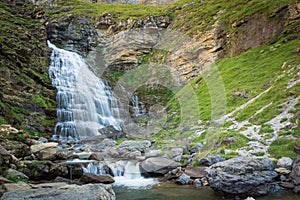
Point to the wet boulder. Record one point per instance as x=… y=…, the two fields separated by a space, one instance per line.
x=241 y=176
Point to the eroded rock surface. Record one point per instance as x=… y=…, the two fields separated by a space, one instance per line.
x=242 y=176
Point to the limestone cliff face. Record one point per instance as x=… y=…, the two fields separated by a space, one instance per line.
x=27 y=99
x=232 y=39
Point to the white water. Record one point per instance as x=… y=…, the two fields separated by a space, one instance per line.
x=132 y=177
x=138 y=108
x=126 y=174
x=85 y=103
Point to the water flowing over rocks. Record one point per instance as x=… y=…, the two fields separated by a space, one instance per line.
x=242 y=176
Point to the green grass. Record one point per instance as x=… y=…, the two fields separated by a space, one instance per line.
x=202 y=14
x=283 y=148
x=119 y=11
x=16 y=179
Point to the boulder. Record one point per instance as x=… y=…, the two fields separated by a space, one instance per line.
x=15 y=173
x=153 y=153
x=195 y=172
x=75 y=192
x=38 y=147
x=241 y=176
x=295 y=174
x=285 y=162
x=135 y=145
x=16 y=186
x=210 y=160
x=158 y=165
x=93 y=178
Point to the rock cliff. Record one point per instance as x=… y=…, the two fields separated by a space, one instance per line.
x=27 y=97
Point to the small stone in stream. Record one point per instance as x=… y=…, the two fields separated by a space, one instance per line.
x=183 y=179
x=204 y=181
x=288 y=185
x=197 y=183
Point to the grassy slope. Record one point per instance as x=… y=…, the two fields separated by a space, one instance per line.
x=256 y=71
x=121 y=11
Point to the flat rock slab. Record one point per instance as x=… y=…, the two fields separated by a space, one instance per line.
x=74 y=192
x=158 y=165
x=195 y=172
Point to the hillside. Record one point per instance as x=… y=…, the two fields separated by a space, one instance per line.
x=257 y=60
x=202 y=93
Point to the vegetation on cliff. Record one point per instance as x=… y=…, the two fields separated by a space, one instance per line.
x=27 y=97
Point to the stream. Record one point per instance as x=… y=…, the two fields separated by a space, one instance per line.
x=171 y=191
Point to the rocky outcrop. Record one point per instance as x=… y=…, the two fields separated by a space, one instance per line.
x=74 y=33
x=242 y=176
x=63 y=191
x=26 y=94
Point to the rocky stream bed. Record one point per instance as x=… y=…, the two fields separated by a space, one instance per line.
x=36 y=168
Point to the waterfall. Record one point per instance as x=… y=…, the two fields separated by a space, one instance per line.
x=85 y=103
x=136 y=107
x=126 y=173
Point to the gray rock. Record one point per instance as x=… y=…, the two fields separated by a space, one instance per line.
x=183 y=179
x=153 y=153
x=75 y=33
x=74 y=192
x=297 y=189
x=16 y=186
x=135 y=145
x=93 y=178
x=285 y=162
x=15 y=173
x=195 y=172
x=42 y=146
x=198 y=183
x=176 y=151
x=210 y=160
x=295 y=174
x=242 y=176
x=158 y=165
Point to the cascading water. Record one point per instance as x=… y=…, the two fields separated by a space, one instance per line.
x=126 y=173
x=85 y=103
x=138 y=108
